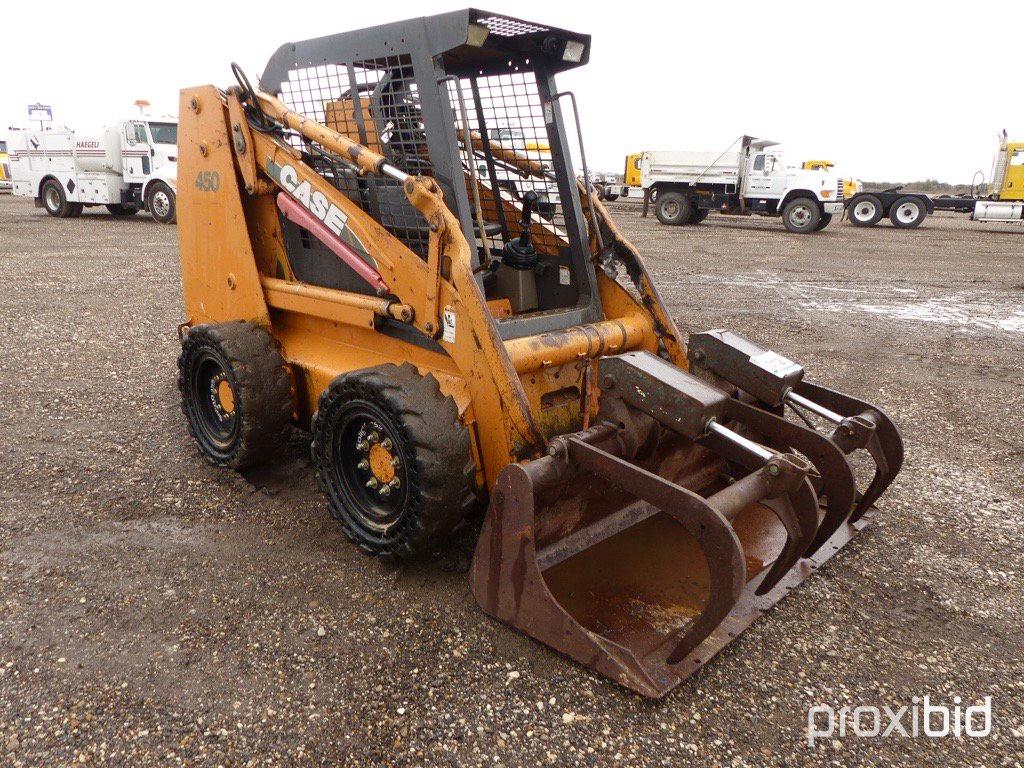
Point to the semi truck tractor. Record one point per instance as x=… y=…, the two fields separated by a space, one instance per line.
x=1004 y=203
x=685 y=186
x=130 y=166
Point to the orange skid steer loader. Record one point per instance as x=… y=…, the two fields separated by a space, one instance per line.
x=385 y=243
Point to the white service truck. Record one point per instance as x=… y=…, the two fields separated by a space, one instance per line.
x=130 y=166
x=685 y=186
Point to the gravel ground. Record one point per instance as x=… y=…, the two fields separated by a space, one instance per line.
x=157 y=611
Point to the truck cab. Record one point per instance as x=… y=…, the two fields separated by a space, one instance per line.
x=129 y=166
x=769 y=186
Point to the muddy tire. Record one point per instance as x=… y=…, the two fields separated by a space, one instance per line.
x=119 y=209
x=55 y=200
x=388 y=427
x=235 y=393
x=907 y=212
x=673 y=208
x=161 y=203
x=801 y=215
x=826 y=219
x=699 y=214
x=865 y=211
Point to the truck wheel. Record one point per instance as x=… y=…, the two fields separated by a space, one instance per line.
x=801 y=215
x=673 y=208
x=393 y=459
x=235 y=393
x=55 y=201
x=826 y=219
x=907 y=212
x=610 y=197
x=119 y=209
x=865 y=211
x=161 y=203
x=699 y=215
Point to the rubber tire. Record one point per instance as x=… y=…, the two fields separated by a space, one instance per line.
x=64 y=209
x=611 y=198
x=441 y=476
x=875 y=218
x=119 y=209
x=685 y=208
x=260 y=383
x=812 y=222
x=172 y=214
x=922 y=212
x=826 y=219
x=699 y=215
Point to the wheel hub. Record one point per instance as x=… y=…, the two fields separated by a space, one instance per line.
x=373 y=471
x=382 y=463
x=864 y=211
x=161 y=203
x=222 y=397
x=800 y=215
x=225 y=396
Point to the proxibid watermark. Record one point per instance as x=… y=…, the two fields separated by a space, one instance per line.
x=919 y=718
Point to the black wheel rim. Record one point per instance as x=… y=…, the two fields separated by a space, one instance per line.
x=370 y=465
x=215 y=402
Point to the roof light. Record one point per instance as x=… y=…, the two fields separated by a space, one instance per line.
x=573 y=51
x=477 y=35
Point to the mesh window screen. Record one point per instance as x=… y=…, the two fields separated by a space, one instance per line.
x=376 y=103
x=506 y=120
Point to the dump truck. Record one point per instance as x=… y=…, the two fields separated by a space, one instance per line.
x=131 y=165
x=906 y=210
x=349 y=270
x=685 y=186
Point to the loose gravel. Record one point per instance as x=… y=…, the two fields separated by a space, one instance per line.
x=157 y=611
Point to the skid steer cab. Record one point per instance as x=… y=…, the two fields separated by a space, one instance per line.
x=356 y=263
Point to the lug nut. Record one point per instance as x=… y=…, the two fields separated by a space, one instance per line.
x=396 y=462
x=385 y=490
x=372 y=483
x=364 y=465
x=773 y=470
x=373 y=437
x=395 y=483
x=362 y=446
x=386 y=443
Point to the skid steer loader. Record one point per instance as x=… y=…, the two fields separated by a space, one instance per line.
x=354 y=264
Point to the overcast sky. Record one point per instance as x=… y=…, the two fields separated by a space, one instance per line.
x=888 y=91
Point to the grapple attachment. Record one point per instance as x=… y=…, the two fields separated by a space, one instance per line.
x=773 y=383
x=642 y=545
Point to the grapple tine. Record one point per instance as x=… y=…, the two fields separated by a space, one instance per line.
x=714 y=533
x=838 y=485
x=790 y=497
x=885 y=445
